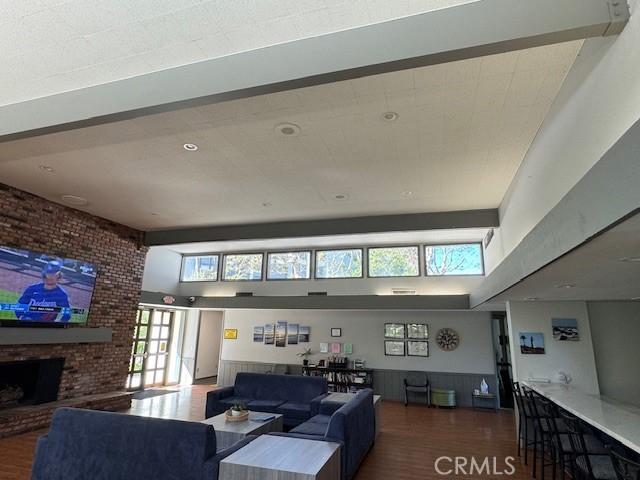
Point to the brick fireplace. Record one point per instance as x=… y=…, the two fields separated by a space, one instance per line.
x=93 y=374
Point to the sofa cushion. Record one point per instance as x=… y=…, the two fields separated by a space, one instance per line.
x=231 y=401
x=264 y=405
x=288 y=388
x=323 y=419
x=310 y=428
x=293 y=409
x=85 y=444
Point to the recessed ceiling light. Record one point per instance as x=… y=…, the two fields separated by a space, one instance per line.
x=635 y=298
x=407 y=193
x=630 y=259
x=288 y=129
x=74 y=200
x=390 y=116
x=531 y=299
x=341 y=196
x=190 y=147
x=46 y=168
x=267 y=204
x=566 y=285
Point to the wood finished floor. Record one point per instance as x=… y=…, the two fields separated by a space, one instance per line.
x=410 y=440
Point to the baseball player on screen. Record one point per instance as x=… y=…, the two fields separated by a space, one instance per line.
x=45 y=294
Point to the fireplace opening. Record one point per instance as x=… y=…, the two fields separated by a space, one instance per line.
x=30 y=382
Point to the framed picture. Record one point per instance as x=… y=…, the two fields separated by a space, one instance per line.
x=531 y=343
x=393 y=348
x=418 y=348
x=304 y=334
x=565 y=329
x=394 y=330
x=324 y=347
x=281 y=334
x=336 y=348
x=417 y=331
x=269 y=331
x=347 y=348
x=292 y=334
x=230 y=333
x=336 y=332
x=258 y=334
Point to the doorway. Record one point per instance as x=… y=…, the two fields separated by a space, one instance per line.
x=150 y=348
x=502 y=350
x=208 y=347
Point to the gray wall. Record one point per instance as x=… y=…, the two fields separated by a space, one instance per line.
x=615 y=330
x=365 y=330
x=388 y=383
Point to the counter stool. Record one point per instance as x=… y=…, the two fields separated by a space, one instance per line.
x=625 y=468
x=587 y=465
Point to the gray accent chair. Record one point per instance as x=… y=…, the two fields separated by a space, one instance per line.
x=418 y=383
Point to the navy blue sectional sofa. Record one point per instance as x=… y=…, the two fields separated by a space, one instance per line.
x=296 y=397
x=351 y=424
x=87 y=444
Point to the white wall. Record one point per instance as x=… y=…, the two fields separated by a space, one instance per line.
x=353 y=286
x=189 y=346
x=209 y=339
x=599 y=101
x=162 y=271
x=615 y=328
x=365 y=330
x=575 y=358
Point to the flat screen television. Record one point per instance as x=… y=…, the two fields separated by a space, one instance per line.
x=37 y=289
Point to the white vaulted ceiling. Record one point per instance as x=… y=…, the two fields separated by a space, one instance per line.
x=53 y=46
x=462 y=132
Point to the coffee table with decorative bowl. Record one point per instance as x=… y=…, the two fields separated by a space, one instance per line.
x=229 y=433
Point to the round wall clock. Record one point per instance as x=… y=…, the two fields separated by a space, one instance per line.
x=447 y=339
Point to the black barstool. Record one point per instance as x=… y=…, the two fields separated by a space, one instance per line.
x=588 y=465
x=541 y=433
x=524 y=419
x=626 y=469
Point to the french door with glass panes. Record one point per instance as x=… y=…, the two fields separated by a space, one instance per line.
x=150 y=349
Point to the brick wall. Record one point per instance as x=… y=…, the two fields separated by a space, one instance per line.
x=33 y=223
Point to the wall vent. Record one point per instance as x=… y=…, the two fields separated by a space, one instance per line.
x=403 y=291
x=244 y=294
x=317 y=294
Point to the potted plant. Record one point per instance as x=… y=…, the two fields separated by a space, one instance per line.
x=304 y=354
x=237 y=409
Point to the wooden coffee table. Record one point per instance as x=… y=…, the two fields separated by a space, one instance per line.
x=229 y=433
x=272 y=457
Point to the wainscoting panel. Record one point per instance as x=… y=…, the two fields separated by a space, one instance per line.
x=388 y=383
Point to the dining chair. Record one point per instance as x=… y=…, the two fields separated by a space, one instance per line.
x=625 y=467
x=417 y=382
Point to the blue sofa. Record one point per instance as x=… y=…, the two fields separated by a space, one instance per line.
x=83 y=444
x=351 y=424
x=296 y=397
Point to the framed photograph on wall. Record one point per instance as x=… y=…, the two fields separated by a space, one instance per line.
x=336 y=332
x=281 y=334
x=532 y=343
x=394 y=330
x=565 y=329
x=324 y=347
x=347 y=348
x=417 y=331
x=258 y=334
x=269 y=331
x=304 y=334
x=393 y=348
x=336 y=347
x=292 y=333
x=418 y=348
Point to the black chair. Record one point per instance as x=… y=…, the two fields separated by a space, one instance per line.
x=524 y=419
x=587 y=465
x=417 y=382
x=542 y=440
x=626 y=469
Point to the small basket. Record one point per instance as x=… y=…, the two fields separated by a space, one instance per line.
x=244 y=416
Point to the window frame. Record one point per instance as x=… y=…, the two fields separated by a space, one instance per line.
x=276 y=252
x=190 y=255
x=411 y=245
x=262 y=269
x=424 y=260
x=315 y=262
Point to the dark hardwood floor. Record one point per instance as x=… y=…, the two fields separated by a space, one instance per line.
x=411 y=439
